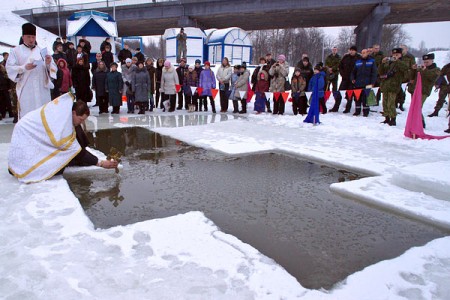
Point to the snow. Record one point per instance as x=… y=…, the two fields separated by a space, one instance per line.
x=50 y=249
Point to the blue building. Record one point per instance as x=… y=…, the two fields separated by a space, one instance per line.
x=234 y=43
x=95 y=26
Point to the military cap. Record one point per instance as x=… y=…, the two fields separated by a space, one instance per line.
x=428 y=56
x=397 y=50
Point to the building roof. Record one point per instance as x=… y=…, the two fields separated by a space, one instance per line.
x=232 y=35
x=190 y=32
x=91 y=23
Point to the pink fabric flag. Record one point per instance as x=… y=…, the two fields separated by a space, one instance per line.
x=414 y=125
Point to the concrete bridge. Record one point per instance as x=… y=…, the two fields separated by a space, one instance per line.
x=138 y=17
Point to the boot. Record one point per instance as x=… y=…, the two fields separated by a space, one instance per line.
x=244 y=107
x=423 y=123
x=16 y=119
x=392 y=122
x=268 y=107
x=235 y=107
x=387 y=120
x=434 y=114
x=205 y=104
x=357 y=111
x=400 y=106
x=448 y=130
x=213 y=106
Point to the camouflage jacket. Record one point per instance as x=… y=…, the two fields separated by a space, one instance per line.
x=409 y=60
x=429 y=76
x=378 y=58
x=332 y=61
x=392 y=74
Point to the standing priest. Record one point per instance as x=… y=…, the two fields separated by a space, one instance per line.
x=32 y=69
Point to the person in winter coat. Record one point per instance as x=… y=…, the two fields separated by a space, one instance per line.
x=319 y=79
x=5 y=100
x=106 y=42
x=107 y=56
x=158 y=74
x=151 y=73
x=234 y=79
x=139 y=55
x=94 y=65
x=63 y=79
x=83 y=55
x=82 y=81
x=306 y=69
x=141 y=87
x=241 y=85
x=181 y=70
x=169 y=79
x=299 y=101
x=266 y=67
x=124 y=54
x=59 y=53
x=127 y=73
x=261 y=87
x=279 y=71
x=345 y=69
x=392 y=72
x=86 y=45
x=409 y=60
x=114 y=88
x=332 y=67
x=207 y=82
x=364 y=76
x=429 y=73
x=99 y=86
x=71 y=55
x=223 y=76
x=190 y=80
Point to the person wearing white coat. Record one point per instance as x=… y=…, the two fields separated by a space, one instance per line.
x=169 y=80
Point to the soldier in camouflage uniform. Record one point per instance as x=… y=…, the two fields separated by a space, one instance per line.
x=409 y=60
x=392 y=72
x=444 y=89
x=429 y=73
x=332 y=69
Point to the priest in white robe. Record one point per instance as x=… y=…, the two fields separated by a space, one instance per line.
x=32 y=69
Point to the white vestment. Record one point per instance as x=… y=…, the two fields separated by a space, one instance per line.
x=33 y=86
x=44 y=141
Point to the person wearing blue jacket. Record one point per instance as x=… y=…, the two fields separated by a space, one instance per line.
x=319 y=78
x=364 y=76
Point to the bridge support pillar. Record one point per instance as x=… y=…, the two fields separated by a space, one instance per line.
x=368 y=32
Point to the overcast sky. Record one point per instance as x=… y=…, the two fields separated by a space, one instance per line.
x=433 y=34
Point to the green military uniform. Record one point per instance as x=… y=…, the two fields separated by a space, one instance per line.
x=378 y=56
x=392 y=74
x=409 y=60
x=332 y=61
x=444 y=89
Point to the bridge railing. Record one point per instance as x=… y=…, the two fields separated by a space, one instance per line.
x=86 y=6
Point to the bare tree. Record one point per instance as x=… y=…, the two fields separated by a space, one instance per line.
x=393 y=36
x=346 y=39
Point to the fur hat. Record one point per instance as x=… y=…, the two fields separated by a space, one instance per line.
x=167 y=64
x=428 y=56
x=28 y=29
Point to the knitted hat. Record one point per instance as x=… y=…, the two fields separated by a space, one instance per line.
x=167 y=64
x=281 y=57
x=207 y=63
x=198 y=61
x=128 y=60
x=191 y=67
x=28 y=29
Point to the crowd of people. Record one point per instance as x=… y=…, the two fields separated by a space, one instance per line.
x=147 y=86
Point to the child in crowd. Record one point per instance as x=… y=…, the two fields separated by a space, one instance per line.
x=261 y=87
x=190 y=80
x=299 y=101
x=234 y=78
x=319 y=78
x=63 y=81
x=207 y=82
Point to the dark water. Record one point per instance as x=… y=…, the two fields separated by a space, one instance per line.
x=280 y=205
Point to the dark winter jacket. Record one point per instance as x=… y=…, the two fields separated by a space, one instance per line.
x=181 y=71
x=140 y=56
x=114 y=87
x=190 y=79
x=346 y=68
x=59 y=55
x=409 y=61
x=307 y=72
x=108 y=58
x=198 y=70
x=152 y=73
x=71 y=55
x=81 y=82
x=5 y=83
x=141 y=85
x=364 y=73
x=123 y=55
x=99 y=81
x=104 y=44
x=159 y=68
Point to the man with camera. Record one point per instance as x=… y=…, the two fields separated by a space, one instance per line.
x=279 y=71
x=392 y=72
x=409 y=60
